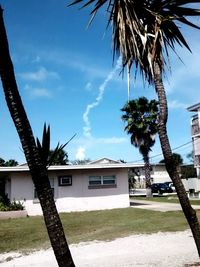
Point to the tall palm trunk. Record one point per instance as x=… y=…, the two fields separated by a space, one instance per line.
x=171 y=167
x=38 y=171
x=147 y=171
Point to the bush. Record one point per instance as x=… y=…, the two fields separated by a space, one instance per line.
x=5 y=200
x=6 y=205
x=3 y=207
x=16 y=205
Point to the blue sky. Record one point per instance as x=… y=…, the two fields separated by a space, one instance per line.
x=66 y=78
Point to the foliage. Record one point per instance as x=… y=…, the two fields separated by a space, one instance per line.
x=5 y=200
x=7 y=205
x=188 y=171
x=51 y=157
x=190 y=156
x=59 y=157
x=141 y=117
x=131 y=181
x=81 y=162
x=16 y=205
x=9 y=163
x=178 y=160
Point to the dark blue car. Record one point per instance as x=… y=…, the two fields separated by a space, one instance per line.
x=161 y=188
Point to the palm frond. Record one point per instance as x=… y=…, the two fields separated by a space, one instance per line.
x=57 y=150
x=143 y=31
x=44 y=147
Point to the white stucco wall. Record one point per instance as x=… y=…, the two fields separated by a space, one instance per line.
x=77 y=197
x=192 y=183
x=196 y=144
x=159 y=174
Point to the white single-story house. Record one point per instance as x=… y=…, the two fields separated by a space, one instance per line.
x=101 y=184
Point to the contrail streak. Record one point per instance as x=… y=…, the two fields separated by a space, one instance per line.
x=87 y=128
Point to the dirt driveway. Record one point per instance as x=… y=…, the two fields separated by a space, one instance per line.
x=157 y=206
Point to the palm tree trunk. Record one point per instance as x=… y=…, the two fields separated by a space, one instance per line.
x=37 y=170
x=147 y=171
x=171 y=167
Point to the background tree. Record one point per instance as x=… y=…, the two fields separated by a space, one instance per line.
x=9 y=163
x=2 y=162
x=141 y=118
x=38 y=169
x=188 y=171
x=131 y=180
x=177 y=159
x=143 y=33
x=81 y=162
x=190 y=156
x=61 y=158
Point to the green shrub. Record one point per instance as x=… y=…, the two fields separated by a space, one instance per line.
x=16 y=206
x=3 y=207
x=5 y=200
x=6 y=205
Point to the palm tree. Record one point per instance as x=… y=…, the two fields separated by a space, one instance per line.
x=177 y=159
x=141 y=118
x=38 y=170
x=143 y=32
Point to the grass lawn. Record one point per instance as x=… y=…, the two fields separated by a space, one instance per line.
x=169 y=199
x=30 y=233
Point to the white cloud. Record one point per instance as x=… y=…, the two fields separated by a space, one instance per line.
x=39 y=75
x=80 y=154
x=38 y=92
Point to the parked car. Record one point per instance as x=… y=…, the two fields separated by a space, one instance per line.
x=170 y=184
x=161 y=188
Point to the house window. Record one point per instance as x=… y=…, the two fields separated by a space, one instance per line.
x=95 y=180
x=65 y=180
x=51 y=180
x=108 y=181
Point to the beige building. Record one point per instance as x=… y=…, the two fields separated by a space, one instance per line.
x=194 y=183
x=99 y=185
x=195 y=132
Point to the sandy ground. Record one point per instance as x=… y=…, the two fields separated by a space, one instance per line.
x=160 y=249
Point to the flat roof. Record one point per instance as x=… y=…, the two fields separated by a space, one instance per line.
x=25 y=168
x=195 y=107
x=75 y=167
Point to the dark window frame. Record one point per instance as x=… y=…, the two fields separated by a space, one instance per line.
x=64 y=184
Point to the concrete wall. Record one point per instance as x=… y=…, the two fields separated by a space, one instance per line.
x=191 y=183
x=159 y=174
x=77 y=197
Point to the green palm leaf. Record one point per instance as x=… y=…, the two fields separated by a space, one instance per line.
x=44 y=149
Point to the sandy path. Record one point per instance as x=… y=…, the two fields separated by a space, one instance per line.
x=160 y=249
